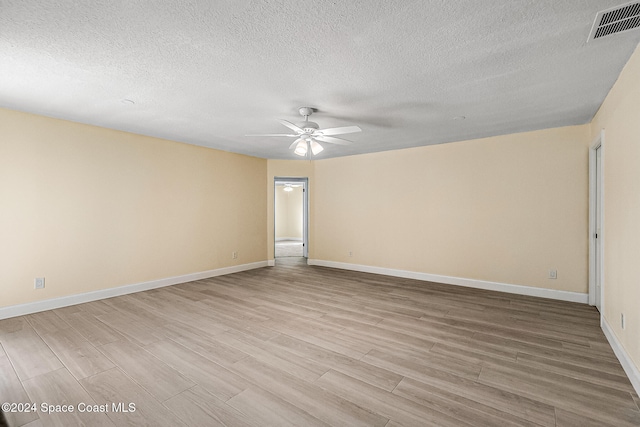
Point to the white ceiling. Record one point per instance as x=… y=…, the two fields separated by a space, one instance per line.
x=208 y=72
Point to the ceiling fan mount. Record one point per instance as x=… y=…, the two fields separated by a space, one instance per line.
x=306 y=111
x=309 y=134
x=307 y=126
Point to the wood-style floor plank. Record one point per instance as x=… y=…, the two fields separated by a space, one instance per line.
x=28 y=354
x=59 y=388
x=270 y=354
x=264 y=409
x=90 y=327
x=300 y=345
x=332 y=341
x=388 y=405
x=159 y=379
x=11 y=391
x=458 y=407
x=495 y=397
x=327 y=407
x=215 y=378
x=113 y=386
x=35 y=423
x=76 y=353
x=373 y=375
x=592 y=375
x=596 y=402
x=14 y=324
x=197 y=407
x=132 y=327
x=46 y=322
x=570 y=419
x=206 y=346
x=582 y=357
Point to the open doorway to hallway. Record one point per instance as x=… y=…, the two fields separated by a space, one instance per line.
x=290 y=217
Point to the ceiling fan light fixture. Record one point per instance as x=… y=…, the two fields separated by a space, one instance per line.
x=301 y=148
x=288 y=188
x=315 y=147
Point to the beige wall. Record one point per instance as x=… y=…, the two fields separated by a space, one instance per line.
x=619 y=116
x=288 y=213
x=503 y=209
x=287 y=169
x=90 y=208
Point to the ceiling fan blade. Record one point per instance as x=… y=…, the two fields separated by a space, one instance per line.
x=273 y=134
x=338 y=131
x=332 y=140
x=294 y=143
x=292 y=126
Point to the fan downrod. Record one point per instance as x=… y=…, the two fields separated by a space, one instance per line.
x=307 y=126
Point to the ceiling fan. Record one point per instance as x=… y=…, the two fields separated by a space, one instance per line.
x=308 y=134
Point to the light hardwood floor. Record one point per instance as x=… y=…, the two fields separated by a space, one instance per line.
x=305 y=346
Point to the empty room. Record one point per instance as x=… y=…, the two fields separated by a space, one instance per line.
x=318 y=213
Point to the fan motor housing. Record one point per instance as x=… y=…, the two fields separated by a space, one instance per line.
x=308 y=127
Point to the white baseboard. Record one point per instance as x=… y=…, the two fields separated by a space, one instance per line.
x=459 y=281
x=627 y=364
x=271 y=262
x=50 y=304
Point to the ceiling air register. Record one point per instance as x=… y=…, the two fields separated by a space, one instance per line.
x=616 y=20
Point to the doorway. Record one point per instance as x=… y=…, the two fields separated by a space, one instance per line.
x=291 y=213
x=596 y=222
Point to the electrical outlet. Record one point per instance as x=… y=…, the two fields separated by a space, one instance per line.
x=553 y=274
x=38 y=283
x=234 y=254
x=622 y=320
x=350 y=253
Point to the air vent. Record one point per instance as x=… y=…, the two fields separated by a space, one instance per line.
x=616 y=20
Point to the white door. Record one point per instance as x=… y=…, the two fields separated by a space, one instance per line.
x=598 y=229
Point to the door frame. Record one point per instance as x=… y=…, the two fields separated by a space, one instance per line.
x=305 y=210
x=596 y=182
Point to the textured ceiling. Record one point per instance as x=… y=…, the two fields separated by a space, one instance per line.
x=209 y=72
